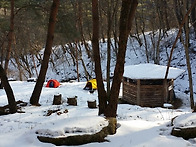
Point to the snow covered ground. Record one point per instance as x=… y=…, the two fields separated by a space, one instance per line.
x=138 y=126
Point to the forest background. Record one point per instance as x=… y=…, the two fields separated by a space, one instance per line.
x=82 y=28
x=74 y=30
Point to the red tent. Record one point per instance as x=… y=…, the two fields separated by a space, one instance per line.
x=53 y=83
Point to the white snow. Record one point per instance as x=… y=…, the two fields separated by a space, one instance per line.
x=188 y=120
x=138 y=126
x=151 y=71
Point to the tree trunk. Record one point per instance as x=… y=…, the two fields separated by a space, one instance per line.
x=101 y=19
x=8 y=90
x=127 y=15
x=80 y=27
x=19 y=68
x=146 y=46
x=166 y=14
x=34 y=100
x=34 y=65
x=96 y=54
x=177 y=8
x=77 y=67
x=157 y=55
x=193 y=18
x=109 y=19
x=186 y=46
x=108 y=105
x=2 y=52
x=10 y=37
x=88 y=76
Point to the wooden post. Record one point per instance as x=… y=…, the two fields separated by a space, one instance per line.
x=57 y=99
x=138 y=92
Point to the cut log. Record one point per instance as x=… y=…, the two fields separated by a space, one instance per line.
x=83 y=139
x=72 y=101
x=92 y=104
x=185 y=133
x=57 y=99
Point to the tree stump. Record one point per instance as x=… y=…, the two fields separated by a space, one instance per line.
x=72 y=101
x=92 y=104
x=57 y=99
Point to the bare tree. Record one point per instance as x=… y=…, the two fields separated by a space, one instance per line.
x=112 y=7
x=186 y=47
x=96 y=54
x=108 y=104
x=185 y=18
x=34 y=100
x=128 y=10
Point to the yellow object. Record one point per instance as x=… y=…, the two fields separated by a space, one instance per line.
x=91 y=85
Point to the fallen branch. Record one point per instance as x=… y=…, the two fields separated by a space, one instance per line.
x=58 y=112
x=5 y=109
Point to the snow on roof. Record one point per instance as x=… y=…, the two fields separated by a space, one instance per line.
x=151 y=71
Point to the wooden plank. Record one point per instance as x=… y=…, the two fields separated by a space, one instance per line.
x=152 y=101
x=151 y=86
x=151 y=93
x=130 y=88
x=129 y=85
x=143 y=95
x=130 y=95
x=130 y=101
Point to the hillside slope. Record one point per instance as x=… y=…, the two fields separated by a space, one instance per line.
x=62 y=65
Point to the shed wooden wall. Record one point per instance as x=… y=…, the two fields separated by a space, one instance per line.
x=151 y=95
x=130 y=92
x=143 y=95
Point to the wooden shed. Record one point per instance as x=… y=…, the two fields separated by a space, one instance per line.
x=144 y=84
